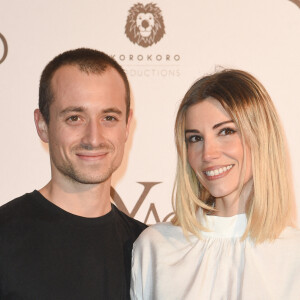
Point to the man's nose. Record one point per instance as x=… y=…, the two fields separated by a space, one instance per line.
x=93 y=134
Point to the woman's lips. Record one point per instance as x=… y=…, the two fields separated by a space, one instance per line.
x=217 y=172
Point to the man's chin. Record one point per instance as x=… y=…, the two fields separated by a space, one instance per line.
x=88 y=176
x=90 y=180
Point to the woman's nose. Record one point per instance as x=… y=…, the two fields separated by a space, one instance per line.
x=211 y=150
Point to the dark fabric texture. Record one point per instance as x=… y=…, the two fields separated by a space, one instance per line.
x=48 y=253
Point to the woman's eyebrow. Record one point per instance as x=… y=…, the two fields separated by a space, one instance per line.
x=191 y=131
x=222 y=123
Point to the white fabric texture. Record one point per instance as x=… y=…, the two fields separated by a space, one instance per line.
x=166 y=266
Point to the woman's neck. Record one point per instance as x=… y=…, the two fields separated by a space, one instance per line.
x=235 y=203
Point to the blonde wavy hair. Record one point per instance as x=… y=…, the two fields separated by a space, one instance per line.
x=270 y=207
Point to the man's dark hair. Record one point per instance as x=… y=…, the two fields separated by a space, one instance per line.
x=88 y=60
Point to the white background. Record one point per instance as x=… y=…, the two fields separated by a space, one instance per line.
x=259 y=36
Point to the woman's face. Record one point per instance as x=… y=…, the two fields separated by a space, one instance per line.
x=215 y=149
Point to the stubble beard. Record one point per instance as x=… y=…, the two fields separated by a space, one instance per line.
x=77 y=176
x=69 y=171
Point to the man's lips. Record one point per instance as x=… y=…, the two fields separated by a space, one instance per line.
x=92 y=156
x=216 y=172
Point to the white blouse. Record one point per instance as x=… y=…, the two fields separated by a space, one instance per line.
x=166 y=266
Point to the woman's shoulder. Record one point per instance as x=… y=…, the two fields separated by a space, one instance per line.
x=160 y=234
x=290 y=236
x=286 y=246
x=291 y=232
x=159 y=231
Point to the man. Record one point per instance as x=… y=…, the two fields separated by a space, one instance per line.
x=67 y=241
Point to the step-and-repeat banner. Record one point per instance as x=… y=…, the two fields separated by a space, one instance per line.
x=186 y=40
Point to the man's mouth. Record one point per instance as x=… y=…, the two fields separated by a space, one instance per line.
x=92 y=156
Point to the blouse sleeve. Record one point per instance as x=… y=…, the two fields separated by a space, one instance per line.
x=136 y=278
x=143 y=267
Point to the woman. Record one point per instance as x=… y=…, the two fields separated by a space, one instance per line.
x=232 y=236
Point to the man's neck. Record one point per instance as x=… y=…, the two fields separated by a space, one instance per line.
x=85 y=200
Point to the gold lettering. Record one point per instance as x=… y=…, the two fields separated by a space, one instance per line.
x=120 y=204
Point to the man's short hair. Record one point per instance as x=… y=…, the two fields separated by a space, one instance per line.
x=87 y=60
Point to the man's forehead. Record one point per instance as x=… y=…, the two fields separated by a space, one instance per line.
x=72 y=87
x=69 y=69
x=66 y=75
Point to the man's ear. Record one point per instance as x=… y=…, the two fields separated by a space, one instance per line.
x=128 y=123
x=41 y=126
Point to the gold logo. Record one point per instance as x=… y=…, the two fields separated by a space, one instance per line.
x=5 y=47
x=152 y=209
x=145 y=24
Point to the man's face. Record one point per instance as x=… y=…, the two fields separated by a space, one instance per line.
x=87 y=130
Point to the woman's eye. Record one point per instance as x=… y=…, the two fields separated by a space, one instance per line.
x=227 y=131
x=194 y=139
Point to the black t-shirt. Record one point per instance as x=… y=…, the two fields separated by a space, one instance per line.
x=48 y=253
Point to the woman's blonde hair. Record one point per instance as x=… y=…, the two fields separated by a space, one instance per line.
x=270 y=207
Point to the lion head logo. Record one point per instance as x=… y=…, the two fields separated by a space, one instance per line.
x=145 y=24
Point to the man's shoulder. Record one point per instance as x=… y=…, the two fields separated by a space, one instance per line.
x=129 y=223
x=16 y=207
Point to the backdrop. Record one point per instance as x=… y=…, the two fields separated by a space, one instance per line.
x=189 y=39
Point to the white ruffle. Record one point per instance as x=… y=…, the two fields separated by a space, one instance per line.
x=166 y=265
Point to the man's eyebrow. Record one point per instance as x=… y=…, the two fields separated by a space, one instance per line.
x=72 y=109
x=112 y=110
x=222 y=123
x=81 y=109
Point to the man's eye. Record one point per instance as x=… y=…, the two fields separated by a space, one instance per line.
x=194 y=138
x=227 y=131
x=73 y=118
x=110 y=118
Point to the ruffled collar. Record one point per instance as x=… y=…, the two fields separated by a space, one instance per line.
x=225 y=227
